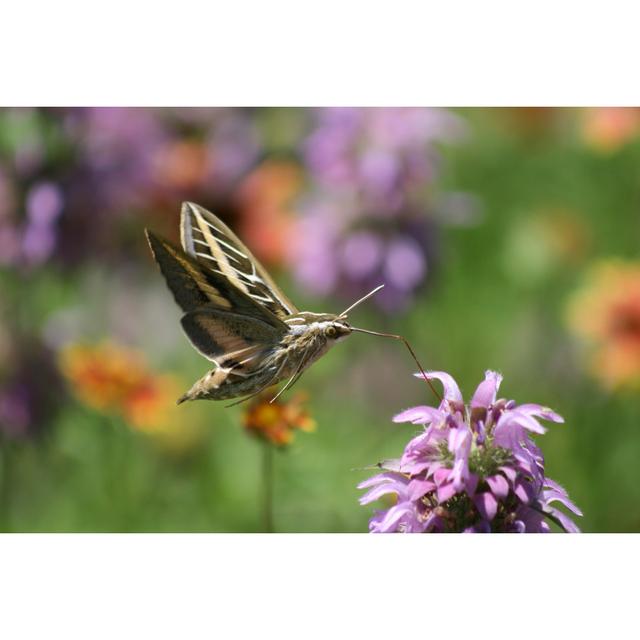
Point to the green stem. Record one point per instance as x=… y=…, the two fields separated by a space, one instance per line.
x=267 y=487
x=5 y=486
x=114 y=465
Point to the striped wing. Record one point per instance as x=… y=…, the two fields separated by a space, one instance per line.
x=235 y=343
x=222 y=322
x=207 y=239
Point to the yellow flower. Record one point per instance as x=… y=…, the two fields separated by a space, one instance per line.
x=276 y=422
x=605 y=313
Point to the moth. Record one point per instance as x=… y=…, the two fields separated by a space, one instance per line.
x=237 y=317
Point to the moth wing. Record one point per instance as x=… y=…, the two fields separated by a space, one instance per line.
x=231 y=341
x=205 y=237
x=194 y=286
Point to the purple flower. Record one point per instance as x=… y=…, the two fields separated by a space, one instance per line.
x=367 y=218
x=31 y=390
x=116 y=150
x=71 y=179
x=474 y=468
x=9 y=241
x=44 y=205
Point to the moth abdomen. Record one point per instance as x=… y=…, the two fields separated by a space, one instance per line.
x=223 y=384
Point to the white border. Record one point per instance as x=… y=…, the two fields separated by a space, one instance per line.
x=303 y=53
x=293 y=52
x=318 y=586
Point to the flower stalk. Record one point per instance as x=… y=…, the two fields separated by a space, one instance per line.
x=267 y=487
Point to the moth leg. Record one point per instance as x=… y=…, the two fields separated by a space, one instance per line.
x=260 y=390
x=289 y=384
x=294 y=378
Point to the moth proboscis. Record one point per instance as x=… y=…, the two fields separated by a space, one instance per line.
x=237 y=317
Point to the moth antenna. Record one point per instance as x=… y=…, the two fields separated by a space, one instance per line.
x=355 y=304
x=413 y=355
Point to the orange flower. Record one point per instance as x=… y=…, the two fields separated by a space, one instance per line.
x=264 y=198
x=104 y=376
x=605 y=313
x=275 y=422
x=606 y=129
x=152 y=404
x=182 y=165
x=112 y=378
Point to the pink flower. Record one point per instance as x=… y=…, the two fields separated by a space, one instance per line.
x=474 y=468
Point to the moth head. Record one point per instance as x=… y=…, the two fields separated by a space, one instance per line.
x=336 y=329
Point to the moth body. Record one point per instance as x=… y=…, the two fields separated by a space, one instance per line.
x=235 y=315
x=309 y=337
x=221 y=384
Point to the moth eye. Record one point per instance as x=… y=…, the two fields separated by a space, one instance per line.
x=330 y=331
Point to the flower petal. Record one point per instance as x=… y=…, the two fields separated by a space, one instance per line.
x=451 y=389
x=524 y=420
x=393 y=516
x=519 y=526
x=382 y=484
x=507 y=434
x=471 y=484
x=523 y=491
x=445 y=492
x=541 y=412
x=510 y=473
x=420 y=444
x=460 y=442
x=459 y=474
x=530 y=521
x=441 y=475
x=481 y=527
x=433 y=521
x=485 y=394
x=499 y=486
x=379 y=478
x=377 y=492
x=419 y=488
x=552 y=495
x=565 y=521
x=420 y=415
x=415 y=467
x=487 y=505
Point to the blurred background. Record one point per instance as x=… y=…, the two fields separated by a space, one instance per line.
x=507 y=239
